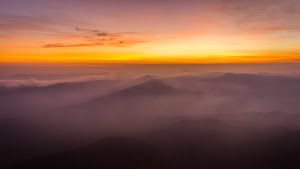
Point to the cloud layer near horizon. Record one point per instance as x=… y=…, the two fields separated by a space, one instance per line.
x=40 y=83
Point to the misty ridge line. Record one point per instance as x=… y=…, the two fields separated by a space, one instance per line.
x=6 y=82
x=191 y=108
x=228 y=92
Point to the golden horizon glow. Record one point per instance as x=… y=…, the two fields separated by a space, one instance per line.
x=201 y=32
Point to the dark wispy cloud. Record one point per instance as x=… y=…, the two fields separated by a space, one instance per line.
x=58 y=45
x=103 y=33
x=10 y=23
x=96 y=32
x=121 y=43
x=94 y=37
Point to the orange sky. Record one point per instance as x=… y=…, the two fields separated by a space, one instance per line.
x=149 y=31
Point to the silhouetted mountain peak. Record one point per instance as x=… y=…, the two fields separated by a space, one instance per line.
x=200 y=123
x=154 y=87
x=230 y=75
x=239 y=77
x=146 y=77
x=142 y=79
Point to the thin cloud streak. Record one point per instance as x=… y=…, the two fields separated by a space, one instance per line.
x=59 y=45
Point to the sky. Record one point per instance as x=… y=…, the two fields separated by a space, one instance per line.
x=149 y=31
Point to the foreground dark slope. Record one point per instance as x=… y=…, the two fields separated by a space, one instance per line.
x=186 y=144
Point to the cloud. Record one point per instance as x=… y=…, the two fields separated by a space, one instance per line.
x=25 y=21
x=93 y=37
x=35 y=82
x=19 y=22
x=102 y=33
x=60 y=45
x=120 y=43
x=20 y=83
x=128 y=42
x=264 y=16
x=259 y=29
x=97 y=32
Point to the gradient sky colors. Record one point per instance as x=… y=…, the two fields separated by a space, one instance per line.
x=149 y=31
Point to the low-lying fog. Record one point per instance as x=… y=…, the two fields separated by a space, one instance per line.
x=52 y=112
